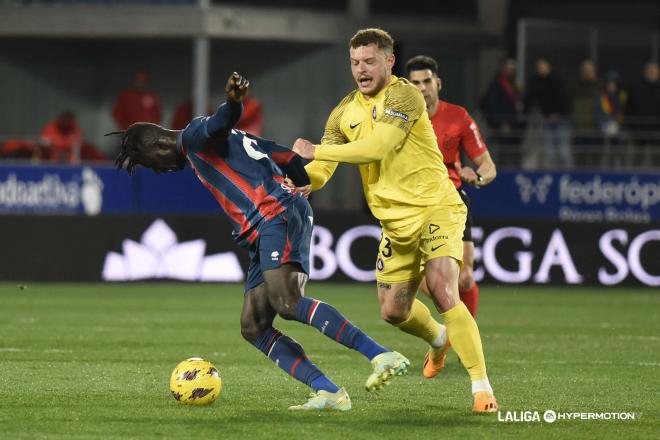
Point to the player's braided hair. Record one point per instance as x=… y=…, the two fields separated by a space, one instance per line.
x=135 y=140
x=422 y=62
x=377 y=36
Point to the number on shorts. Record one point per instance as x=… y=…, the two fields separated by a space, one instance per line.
x=387 y=249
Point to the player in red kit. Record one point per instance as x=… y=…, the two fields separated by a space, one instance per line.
x=455 y=130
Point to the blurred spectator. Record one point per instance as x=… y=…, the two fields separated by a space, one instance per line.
x=502 y=105
x=19 y=149
x=61 y=142
x=62 y=139
x=546 y=92
x=610 y=105
x=137 y=103
x=586 y=137
x=252 y=120
x=644 y=111
x=89 y=153
x=184 y=114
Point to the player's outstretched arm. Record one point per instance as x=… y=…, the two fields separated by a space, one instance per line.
x=403 y=106
x=229 y=113
x=374 y=147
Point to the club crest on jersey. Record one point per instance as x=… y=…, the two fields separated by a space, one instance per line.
x=380 y=265
x=373 y=113
x=396 y=114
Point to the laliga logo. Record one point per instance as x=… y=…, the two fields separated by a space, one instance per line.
x=528 y=189
x=159 y=255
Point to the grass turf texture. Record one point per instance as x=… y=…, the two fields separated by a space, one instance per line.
x=93 y=361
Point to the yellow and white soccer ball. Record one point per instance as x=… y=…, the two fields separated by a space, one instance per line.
x=195 y=382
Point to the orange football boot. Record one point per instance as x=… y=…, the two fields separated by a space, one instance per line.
x=434 y=361
x=484 y=402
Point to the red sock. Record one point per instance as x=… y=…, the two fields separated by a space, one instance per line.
x=470 y=298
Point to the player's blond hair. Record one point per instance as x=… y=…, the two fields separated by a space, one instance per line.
x=377 y=36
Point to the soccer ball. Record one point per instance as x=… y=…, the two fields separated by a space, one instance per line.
x=195 y=382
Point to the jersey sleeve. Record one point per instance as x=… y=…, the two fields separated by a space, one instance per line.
x=471 y=139
x=383 y=138
x=224 y=118
x=403 y=105
x=203 y=128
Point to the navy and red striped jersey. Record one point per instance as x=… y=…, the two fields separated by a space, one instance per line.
x=244 y=173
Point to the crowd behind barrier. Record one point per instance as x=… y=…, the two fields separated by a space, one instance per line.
x=546 y=122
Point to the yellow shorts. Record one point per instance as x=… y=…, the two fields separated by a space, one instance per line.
x=406 y=245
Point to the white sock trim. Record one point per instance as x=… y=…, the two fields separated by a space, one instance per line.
x=441 y=340
x=481 y=385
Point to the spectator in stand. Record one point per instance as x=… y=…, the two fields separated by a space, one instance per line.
x=61 y=139
x=546 y=91
x=61 y=142
x=252 y=120
x=137 y=103
x=644 y=111
x=184 y=114
x=586 y=137
x=610 y=105
x=502 y=107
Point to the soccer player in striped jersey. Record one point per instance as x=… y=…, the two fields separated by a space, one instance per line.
x=455 y=130
x=383 y=127
x=246 y=174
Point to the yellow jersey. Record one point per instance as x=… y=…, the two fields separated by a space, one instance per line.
x=391 y=138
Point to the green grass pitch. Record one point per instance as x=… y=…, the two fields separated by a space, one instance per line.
x=93 y=361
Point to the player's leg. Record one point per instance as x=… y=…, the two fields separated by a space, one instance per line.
x=398 y=267
x=443 y=251
x=257 y=328
x=284 y=247
x=442 y=278
x=467 y=286
x=286 y=289
x=436 y=355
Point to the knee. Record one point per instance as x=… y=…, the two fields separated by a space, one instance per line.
x=394 y=314
x=285 y=305
x=252 y=327
x=466 y=279
x=283 y=296
x=287 y=312
x=251 y=331
x=444 y=294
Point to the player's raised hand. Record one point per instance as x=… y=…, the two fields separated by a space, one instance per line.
x=304 y=148
x=237 y=87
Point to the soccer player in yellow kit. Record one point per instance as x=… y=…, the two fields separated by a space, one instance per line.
x=383 y=127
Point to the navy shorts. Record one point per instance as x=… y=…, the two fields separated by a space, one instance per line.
x=284 y=239
x=467 y=232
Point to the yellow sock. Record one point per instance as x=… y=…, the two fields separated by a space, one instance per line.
x=465 y=340
x=420 y=323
